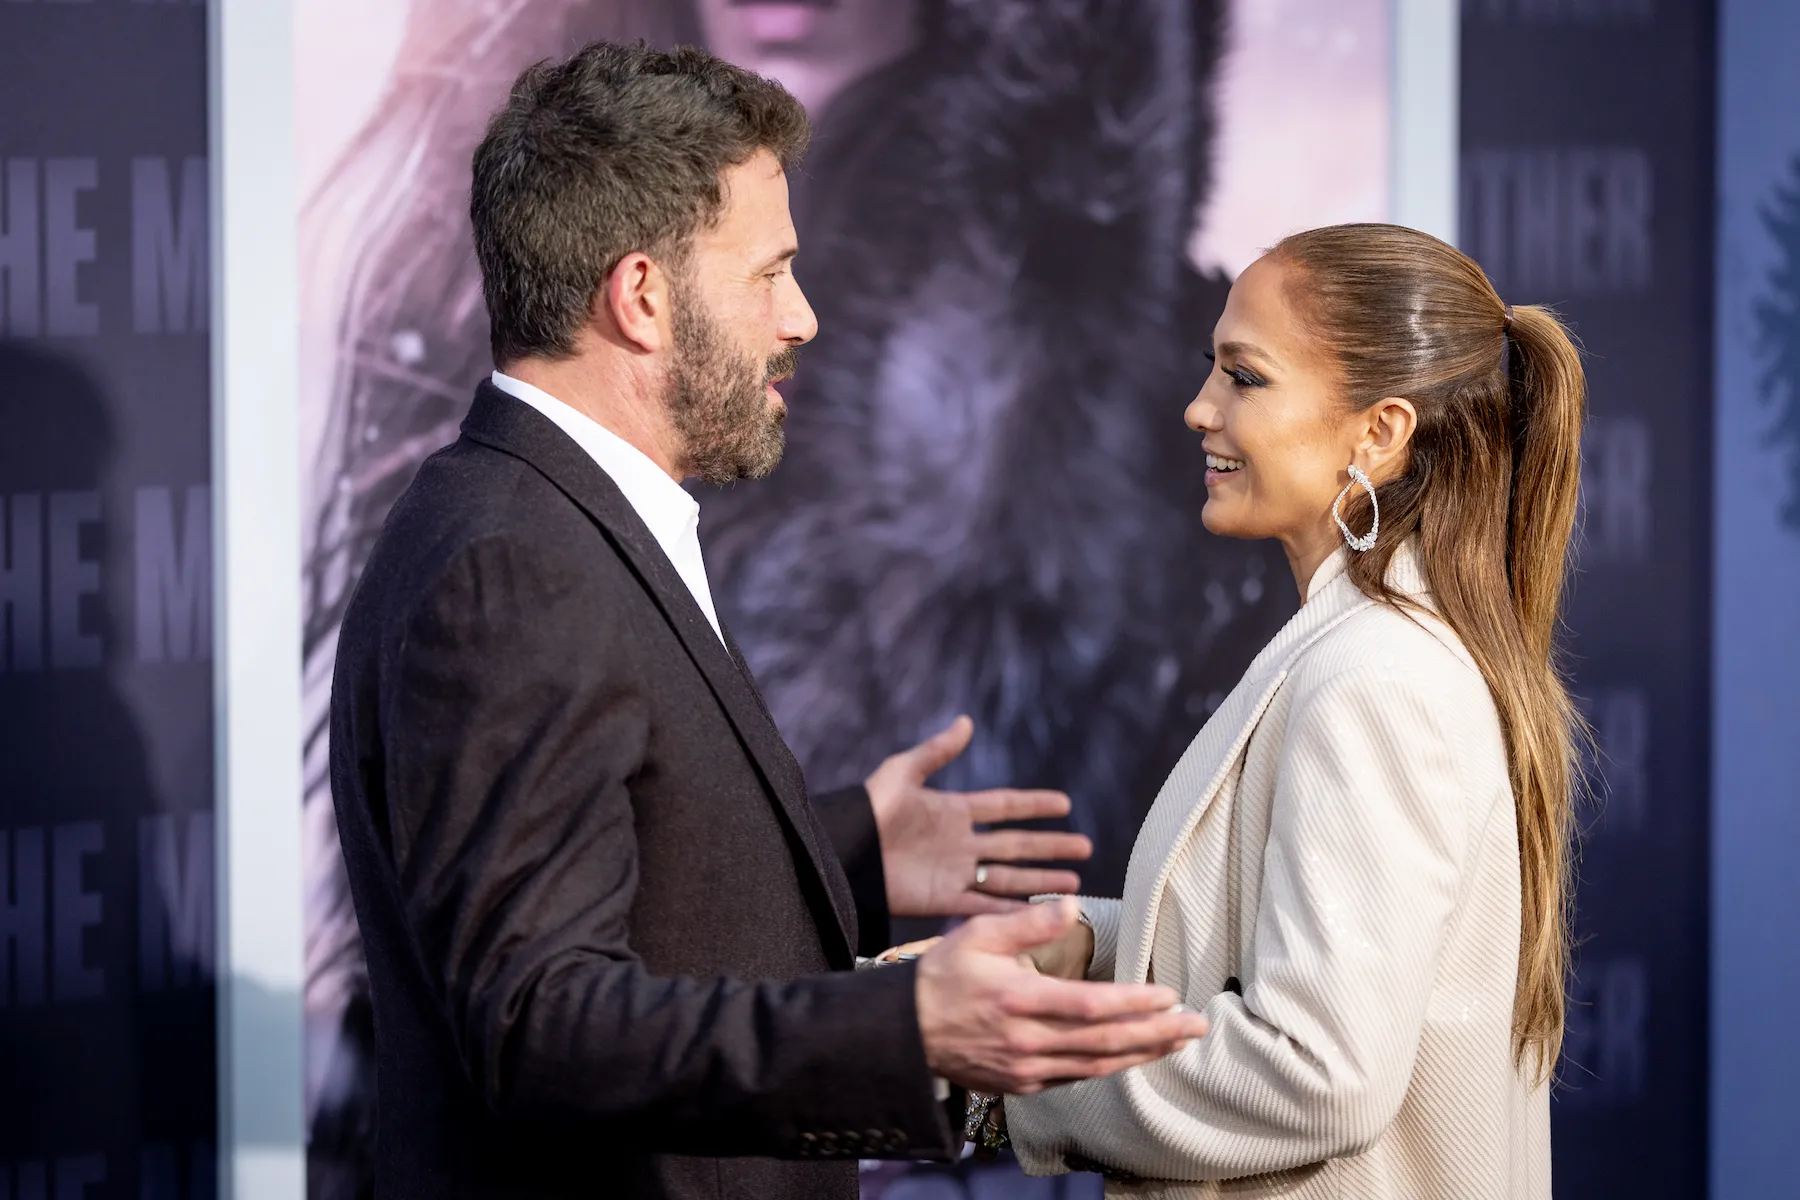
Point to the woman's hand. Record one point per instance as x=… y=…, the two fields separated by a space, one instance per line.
x=1068 y=956
x=907 y=951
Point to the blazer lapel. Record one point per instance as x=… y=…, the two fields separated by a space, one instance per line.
x=497 y=420
x=1188 y=792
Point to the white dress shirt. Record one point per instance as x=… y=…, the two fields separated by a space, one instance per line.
x=672 y=515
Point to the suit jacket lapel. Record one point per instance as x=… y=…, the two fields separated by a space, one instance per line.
x=499 y=421
x=776 y=752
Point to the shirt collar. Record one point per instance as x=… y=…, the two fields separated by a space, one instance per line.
x=663 y=504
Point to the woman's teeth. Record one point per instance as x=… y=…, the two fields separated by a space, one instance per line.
x=1218 y=463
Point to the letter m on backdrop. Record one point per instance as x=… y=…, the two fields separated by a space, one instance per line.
x=174 y=576
x=175 y=900
x=169 y=285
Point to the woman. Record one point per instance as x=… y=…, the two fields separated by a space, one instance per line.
x=1359 y=867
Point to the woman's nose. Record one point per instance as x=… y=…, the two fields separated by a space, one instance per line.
x=1202 y=415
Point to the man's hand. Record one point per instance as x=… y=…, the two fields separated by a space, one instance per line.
x=931 y=852
x=993 y=1024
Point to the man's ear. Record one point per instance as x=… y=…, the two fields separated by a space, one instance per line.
x=634 y=304
x=1387 y=437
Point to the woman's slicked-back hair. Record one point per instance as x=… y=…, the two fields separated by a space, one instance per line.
x=614 y=150
x=1490 y=489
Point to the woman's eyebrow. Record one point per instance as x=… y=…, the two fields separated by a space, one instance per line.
x=1241 y=349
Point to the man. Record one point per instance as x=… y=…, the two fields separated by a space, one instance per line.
x=608 y=936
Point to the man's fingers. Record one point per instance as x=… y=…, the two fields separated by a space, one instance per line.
x=940 y=749
x=1025 y=845
x=1011 y=804
x=1015 y=932
x=1129 y=1035
x=1025 y=881
x=1070 y=1002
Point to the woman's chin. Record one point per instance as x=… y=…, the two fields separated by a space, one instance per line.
x=1218 y=519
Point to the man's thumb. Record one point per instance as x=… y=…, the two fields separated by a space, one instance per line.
x=941 y=748
x=1033 y=925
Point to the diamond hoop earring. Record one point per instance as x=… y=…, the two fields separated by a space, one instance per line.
x=1367 y=541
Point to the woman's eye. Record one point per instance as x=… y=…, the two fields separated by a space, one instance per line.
x=1237 y=375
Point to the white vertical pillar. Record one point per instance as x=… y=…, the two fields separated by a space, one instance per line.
x=1426 y=76
x=256 y=539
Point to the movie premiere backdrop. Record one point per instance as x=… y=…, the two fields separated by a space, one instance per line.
x=107 y=1082
x=1587 y=183
x=1017 y=224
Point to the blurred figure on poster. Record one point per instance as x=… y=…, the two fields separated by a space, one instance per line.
x=984 y=509
x=1360 y=868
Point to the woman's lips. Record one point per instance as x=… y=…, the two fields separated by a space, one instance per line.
x=1220 y=467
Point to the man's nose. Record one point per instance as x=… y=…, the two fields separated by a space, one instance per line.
x=798 y=324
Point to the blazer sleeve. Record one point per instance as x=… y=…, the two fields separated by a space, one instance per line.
x=508 y=770
x=1102 y=916
x=849 y=822
x=1370 y=830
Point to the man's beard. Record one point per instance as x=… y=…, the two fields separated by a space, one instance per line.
x=719 y=403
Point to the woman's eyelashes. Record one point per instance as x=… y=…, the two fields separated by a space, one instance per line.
x=1242 y=376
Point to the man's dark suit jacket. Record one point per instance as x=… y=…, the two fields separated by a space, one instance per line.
x=609 y=938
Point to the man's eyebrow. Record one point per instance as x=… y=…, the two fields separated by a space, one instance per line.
x=785 y=256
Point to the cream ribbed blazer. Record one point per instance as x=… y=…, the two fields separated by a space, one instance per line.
x=1340 y=838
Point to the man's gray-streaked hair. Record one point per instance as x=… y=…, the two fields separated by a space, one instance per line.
x=614 y=150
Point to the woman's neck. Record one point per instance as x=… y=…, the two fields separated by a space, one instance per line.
x=1307 y=552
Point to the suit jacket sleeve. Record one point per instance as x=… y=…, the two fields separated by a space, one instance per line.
x=849 y=822
x=513 y=719
x=1371 y=827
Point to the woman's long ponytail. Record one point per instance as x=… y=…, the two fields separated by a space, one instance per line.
x=1490 y=491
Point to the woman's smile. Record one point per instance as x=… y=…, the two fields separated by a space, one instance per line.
x=1219 y=468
